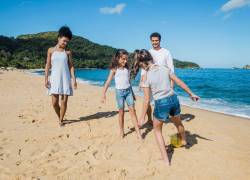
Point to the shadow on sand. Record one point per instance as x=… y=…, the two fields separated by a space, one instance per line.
x=149 y=126
x=97 y=115
x=191 y=141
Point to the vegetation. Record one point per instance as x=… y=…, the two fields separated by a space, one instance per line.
x=30 y=50
x=246 y=67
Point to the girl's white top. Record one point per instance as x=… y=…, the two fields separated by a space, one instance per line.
x=60 y=78
x=122 y=78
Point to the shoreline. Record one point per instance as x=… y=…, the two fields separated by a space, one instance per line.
x=221 y=113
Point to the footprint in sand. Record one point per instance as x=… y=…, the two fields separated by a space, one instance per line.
x=35 y=178
x=4 y=139
x=2 y=156
x=78 y=152
x=89 y=167
x=26 y=119
x=107 y=154
x=123 y=173
x=94 y=154
x=19 y=151
x=18 y=163
x=62 y=136
x=21 y=116
x=118 y=173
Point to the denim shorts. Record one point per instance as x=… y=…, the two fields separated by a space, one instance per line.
x=165 y=107
x=123 y=95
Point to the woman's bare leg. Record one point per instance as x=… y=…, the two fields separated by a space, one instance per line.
x=64 y=101
x=55 y=104
x=159 y=139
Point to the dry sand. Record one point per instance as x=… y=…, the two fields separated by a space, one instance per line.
x=32 y=145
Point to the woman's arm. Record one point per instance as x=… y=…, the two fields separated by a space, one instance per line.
x=180 y=83
x=107 y=83
x=47 y=68
x=71 y=68
x=143 y=78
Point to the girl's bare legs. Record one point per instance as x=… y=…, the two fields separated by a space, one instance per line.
x=159 y=139
x=121 y=122
x=55 y=103
x=178 y=124
x=135 y=121
x=64 y=101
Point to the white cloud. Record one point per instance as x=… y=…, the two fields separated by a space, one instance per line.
x=113 y=10
x=234 y=4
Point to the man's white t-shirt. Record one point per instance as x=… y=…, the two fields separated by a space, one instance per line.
x=161 y=57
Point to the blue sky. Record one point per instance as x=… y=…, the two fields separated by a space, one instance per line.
x=213 y=33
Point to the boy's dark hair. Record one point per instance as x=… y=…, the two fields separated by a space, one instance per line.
x=155 y=34
x=116 y=57
x=64 y=31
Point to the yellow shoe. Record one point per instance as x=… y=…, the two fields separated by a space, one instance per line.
x=175 y=140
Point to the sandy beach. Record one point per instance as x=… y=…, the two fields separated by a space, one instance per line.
x=33 y=146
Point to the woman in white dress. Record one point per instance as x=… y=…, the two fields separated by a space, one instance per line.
x=62 y=71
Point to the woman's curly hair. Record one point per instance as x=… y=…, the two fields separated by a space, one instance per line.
x=139 y=56
x=65 y=31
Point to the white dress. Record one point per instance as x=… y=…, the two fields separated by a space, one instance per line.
x=60 y=78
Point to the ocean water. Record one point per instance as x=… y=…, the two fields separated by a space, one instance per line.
x=221 y=90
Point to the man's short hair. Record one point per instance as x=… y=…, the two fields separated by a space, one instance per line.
x=155 y=34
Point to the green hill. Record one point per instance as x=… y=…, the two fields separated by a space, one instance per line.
x=29 y=51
